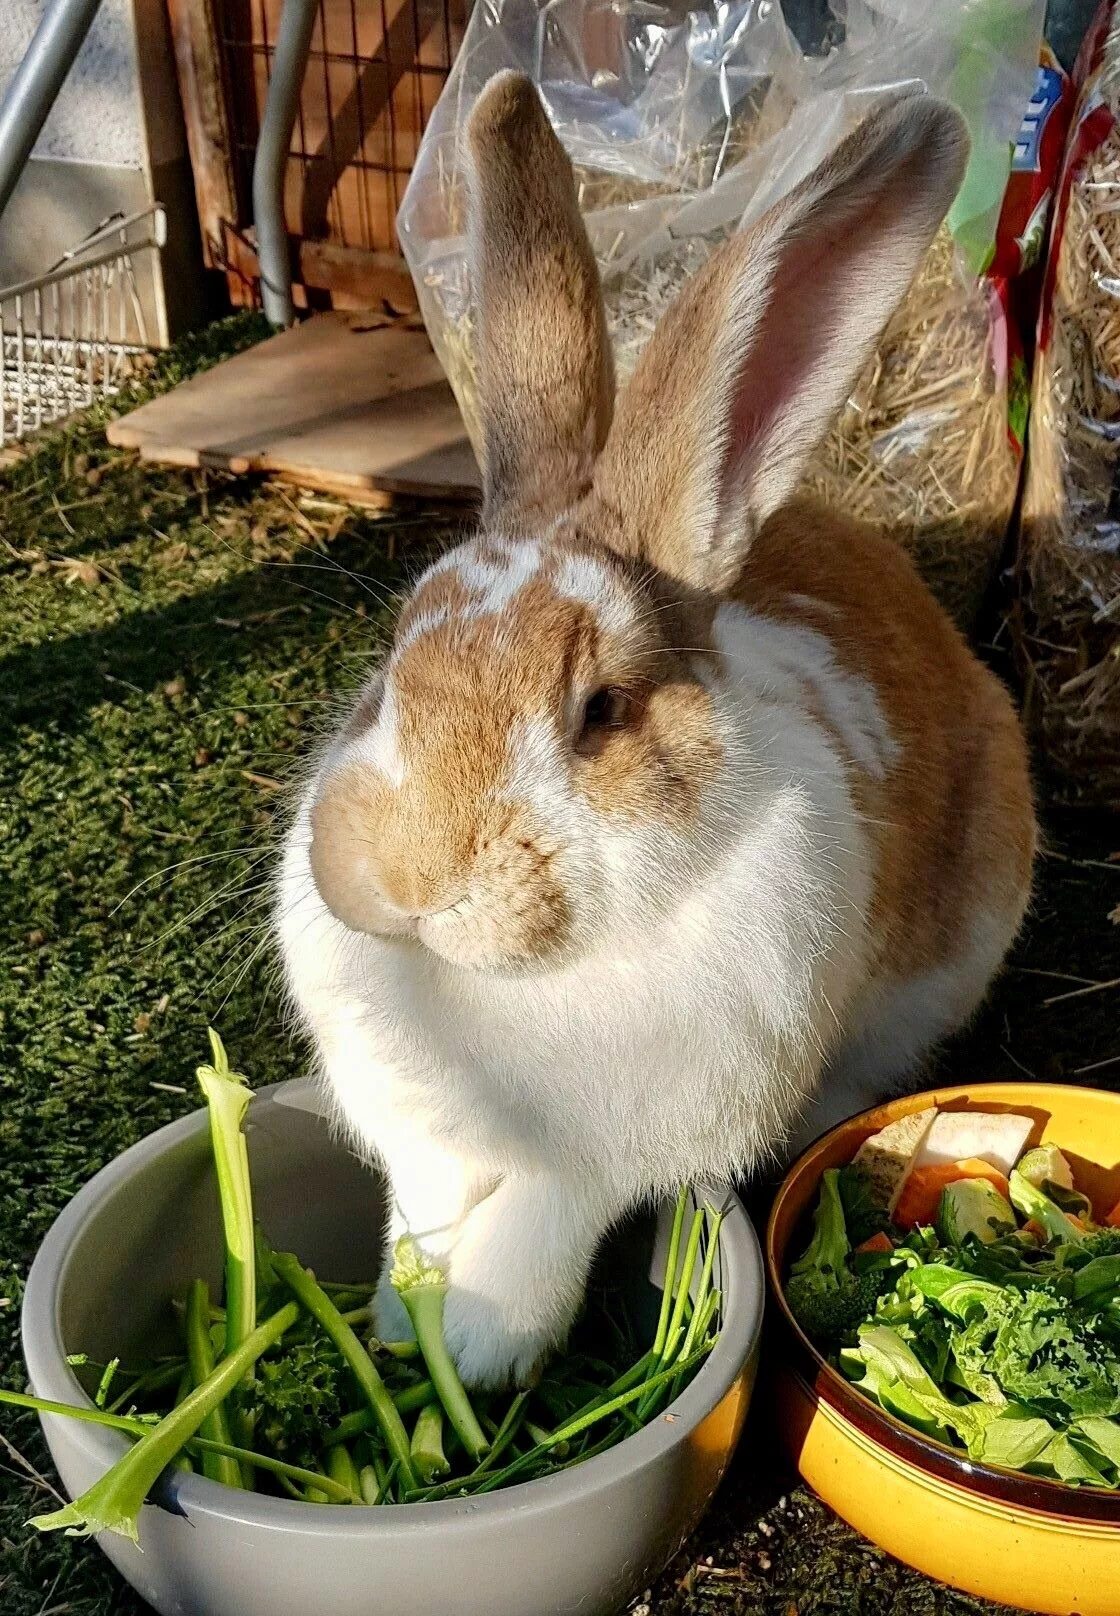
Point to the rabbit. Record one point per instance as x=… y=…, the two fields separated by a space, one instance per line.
x=679 y=819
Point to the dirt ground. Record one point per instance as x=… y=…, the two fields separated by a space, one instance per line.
x=169 y=645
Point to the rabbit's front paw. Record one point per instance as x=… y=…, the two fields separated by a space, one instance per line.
x=493 y=1340
x=390 y=1318
x=517 y=1275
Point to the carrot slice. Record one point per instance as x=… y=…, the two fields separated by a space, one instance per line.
x=1113 y=1218
x=877 y=1242
x=922 y=1191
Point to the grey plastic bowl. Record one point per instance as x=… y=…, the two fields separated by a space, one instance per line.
x=583 y=1541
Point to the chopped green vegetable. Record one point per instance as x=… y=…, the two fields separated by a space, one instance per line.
x=113 y=1503
x=363 y=1419
x=342 y=1470
x=1070 y=1201
x=227 y=1098
x=303 y=1286
x=200 y=1358
x=826 y=1295
x=296 y=1393
x=428 y=1457
x=422 y=1287
x=973 y=1206
x=895 y=1369
x=865 y=1211
x=1032 y=1203
x=133 y=1424
x=1043 y=1164
x=139 y=1426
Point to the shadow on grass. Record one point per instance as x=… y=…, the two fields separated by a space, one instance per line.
x=247 y=622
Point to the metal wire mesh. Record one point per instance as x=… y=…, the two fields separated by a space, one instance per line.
x=69 y=337
x=374 y=73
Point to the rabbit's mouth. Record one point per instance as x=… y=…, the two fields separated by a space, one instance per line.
x=506 y=931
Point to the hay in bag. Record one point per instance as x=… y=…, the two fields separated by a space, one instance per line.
x=683 y=127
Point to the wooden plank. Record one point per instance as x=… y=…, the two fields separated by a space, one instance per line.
x=198 y=62
x=342 y=402
x=356 y=278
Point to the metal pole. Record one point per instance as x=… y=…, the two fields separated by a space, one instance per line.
x=36 y=83
x=270 y=165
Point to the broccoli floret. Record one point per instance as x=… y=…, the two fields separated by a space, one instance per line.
x=864 y=1214
x=826 y=1297
x=829 y=1313
x=1101 y=1243
x=827 y=1251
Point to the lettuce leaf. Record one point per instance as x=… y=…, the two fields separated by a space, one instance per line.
x=897 y=1379
x=1014 y=1440
x=1046 y=1356
x=1101 y=1439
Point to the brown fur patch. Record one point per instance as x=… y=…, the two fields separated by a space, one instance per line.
x=446 y=833
x=952 y=824
x=446 y=590
x=657 y=767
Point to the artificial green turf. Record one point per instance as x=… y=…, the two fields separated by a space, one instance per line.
x=165 y=638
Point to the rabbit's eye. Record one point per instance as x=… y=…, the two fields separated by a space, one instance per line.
x=604 y=710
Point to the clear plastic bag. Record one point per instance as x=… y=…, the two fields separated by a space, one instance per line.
x=1068 y=623
x=683 y=127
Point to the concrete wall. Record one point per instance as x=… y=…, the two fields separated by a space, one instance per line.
x=97 y=118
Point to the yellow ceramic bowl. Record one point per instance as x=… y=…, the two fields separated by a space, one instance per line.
x=997 y=1533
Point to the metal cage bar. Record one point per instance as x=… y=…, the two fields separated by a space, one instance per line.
x=289 y=63
x=373 y=72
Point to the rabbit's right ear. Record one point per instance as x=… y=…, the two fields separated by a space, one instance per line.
x=545 y=379
x=739 y=382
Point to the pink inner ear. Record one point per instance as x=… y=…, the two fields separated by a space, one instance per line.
x=830 y=290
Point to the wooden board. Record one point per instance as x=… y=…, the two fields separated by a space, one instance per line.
x=202 y=93
x=354 y=277
x=342 y=402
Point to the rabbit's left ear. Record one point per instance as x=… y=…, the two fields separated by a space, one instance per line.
x=739 y=382
x=545 y=379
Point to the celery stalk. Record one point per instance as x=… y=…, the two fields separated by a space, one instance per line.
x=200 y=1355
x=428 y=1457
x=342 y=1470
x=138 y=1427
x=113 y=1503
x=402 y=1350
x=108 y=1375
x=227 y=1098
x=307 y=1290
x=367 y=1481
x=134 y=1425
x=338 y=1492
x=406 y=1402
x=422 y=1287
